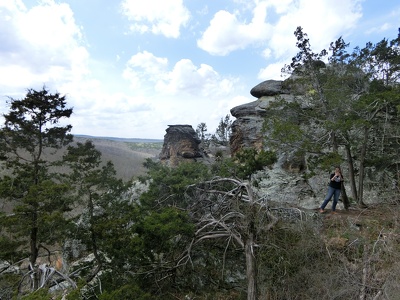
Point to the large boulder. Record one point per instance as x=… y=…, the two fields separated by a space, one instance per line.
x=180 y=144
x=268 y=88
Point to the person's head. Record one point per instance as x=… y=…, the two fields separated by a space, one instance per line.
x=337 y=170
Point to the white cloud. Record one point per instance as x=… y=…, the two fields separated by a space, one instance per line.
x=235 y=101
x=323 y=21
x=189 y=79
x=384 y=27
x=226 y=33
x=144 y=68
x=156 y=16
x=42 y=45
x=271 y=71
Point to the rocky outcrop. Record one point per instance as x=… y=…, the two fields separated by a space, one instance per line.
x=247 y=128
x=180 y=144
x=283 y=182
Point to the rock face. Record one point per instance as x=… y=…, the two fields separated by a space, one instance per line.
x=283 y=182
x=180 y=144
x=247 y=128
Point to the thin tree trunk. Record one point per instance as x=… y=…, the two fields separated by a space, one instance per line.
x=249 y=248
x=352 y=179
x=361 y=175
x=250 y=268
x=345 y=199
x=34 y=250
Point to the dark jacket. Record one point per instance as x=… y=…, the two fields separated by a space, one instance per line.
x=335 y=184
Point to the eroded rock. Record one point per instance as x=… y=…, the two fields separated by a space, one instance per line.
x=180 y=144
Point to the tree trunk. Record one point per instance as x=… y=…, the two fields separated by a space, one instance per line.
x=361 y=175
x=345 y=199
x=250 y=268
x=249 y=247
x=33 y=255
x=351 y=176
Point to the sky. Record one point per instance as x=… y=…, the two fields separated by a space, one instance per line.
x=130 y=68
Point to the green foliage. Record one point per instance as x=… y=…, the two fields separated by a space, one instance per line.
x=41 y=294
x=8 y=282
x=244 y=164
x=226 y=167
x=168 y=185
x=126 y=292
x=325 y=162
x=202 y=134
x=250 y=160
x=8 y=245
x=223 y=131
x=161 y=231
x=99 y=193
x=38 y=198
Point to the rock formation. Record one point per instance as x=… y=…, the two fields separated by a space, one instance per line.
x=283 y=182
x=180 y=144
x=247 y=128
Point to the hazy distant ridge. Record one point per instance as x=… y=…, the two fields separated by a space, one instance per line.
x=128 y=140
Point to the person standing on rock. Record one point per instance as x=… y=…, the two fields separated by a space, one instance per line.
x=334 y=188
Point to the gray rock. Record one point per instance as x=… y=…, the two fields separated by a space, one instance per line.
x=248 y=109
x=268 y=88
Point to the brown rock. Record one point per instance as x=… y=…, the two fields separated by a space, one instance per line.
x=180 y=144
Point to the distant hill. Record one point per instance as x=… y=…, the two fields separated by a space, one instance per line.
x=127 y=154
x=126 y=140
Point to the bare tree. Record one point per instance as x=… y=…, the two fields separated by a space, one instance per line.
x=229 y=209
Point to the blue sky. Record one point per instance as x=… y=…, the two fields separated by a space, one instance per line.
x=130 y=68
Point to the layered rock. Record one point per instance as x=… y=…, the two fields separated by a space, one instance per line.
x=247 y=128
x=180 y=144
x=282 y=182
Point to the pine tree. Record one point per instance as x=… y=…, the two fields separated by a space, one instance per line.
x=38 y=198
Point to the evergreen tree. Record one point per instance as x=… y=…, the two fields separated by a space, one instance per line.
x=201 y=132
x=377 y=111
x=37 y=197
x=99 y=194
x=223 y=131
